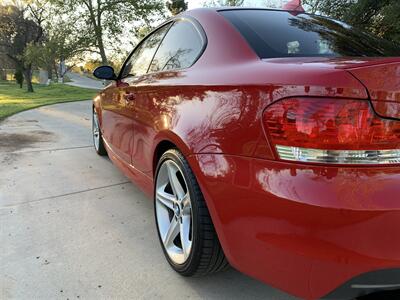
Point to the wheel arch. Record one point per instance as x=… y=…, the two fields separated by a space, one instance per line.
x=169 y=140
x=160 y=149
x=164 y=141
x=97 y=106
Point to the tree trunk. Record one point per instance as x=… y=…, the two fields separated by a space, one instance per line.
x=55 y=70
x=95 y=19
x=3 y=75
x=61 y=70
x=28 y=78
x=100 y=44
x=50 y=71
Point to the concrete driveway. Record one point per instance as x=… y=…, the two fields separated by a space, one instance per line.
x=84 y=81
x=72 y=226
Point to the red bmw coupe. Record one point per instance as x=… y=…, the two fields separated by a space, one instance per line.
x=269 y=139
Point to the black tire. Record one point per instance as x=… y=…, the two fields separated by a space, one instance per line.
x=206 y=256
x=100 y=149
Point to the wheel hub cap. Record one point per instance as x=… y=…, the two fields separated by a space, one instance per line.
x=177 y=211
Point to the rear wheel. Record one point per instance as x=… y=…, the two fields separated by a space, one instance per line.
x=185 y=229
x=97 y=137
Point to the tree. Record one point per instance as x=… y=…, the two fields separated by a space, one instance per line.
x=17 y=31
x=379 y=17
x=232 y=2
x=5 y=63
x=177 y=6
x=19 y=77
x=389 y=26
x=332 y=8
x=101 y=18
x=60 y=43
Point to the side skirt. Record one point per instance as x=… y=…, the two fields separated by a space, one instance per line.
x=144 y=182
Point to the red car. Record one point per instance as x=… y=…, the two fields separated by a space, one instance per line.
x=269 y=139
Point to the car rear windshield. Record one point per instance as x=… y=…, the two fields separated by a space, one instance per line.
x=275 y=34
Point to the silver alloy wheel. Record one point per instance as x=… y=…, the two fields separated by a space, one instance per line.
x=96 y=130
x=174 y=212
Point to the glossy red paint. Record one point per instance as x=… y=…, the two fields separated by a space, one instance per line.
x=305 y=229
x=383 y=83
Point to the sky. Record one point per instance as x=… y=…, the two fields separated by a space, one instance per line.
x=199 y=3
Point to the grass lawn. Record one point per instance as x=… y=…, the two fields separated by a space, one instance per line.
x=13 y=99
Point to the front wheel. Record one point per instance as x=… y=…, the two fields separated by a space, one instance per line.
x=185 y=228
x=97 y=137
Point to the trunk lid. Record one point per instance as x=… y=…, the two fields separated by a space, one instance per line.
x=381 y=77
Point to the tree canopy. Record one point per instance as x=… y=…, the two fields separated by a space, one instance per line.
x=381 y=18
x=103 y=19
x=45 y=33
x=20 y=27
x=177 y=6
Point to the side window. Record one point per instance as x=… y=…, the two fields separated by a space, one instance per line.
x=139 y=61
x=179 y=49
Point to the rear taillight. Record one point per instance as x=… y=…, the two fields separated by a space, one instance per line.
x=334 y=131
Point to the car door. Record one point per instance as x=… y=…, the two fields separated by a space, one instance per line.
x=119 y=100
x=178 y=51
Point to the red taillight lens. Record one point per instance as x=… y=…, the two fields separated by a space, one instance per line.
x=337 y=128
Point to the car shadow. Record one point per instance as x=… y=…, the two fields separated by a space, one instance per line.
x=389 y=295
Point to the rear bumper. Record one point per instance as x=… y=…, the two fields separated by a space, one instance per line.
x=365 y=284
x=304 y=229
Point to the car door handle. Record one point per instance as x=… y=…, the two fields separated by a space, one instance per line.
x=130 y=96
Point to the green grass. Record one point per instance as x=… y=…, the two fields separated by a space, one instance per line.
x=14 y=100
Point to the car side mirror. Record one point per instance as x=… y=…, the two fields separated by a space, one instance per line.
x=105 y=72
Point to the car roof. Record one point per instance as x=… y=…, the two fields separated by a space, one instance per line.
x=222 y=8
x=238 y=8
x=226 y=8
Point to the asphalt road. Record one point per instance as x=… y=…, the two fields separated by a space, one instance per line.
x=72 y=226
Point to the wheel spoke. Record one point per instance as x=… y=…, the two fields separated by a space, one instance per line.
x=186 y=206
x=96 y=130
x=164 y=198
x=174 y=181
x=172 y=232
x=96 y=121
x=186 y=201
x=184 y=233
